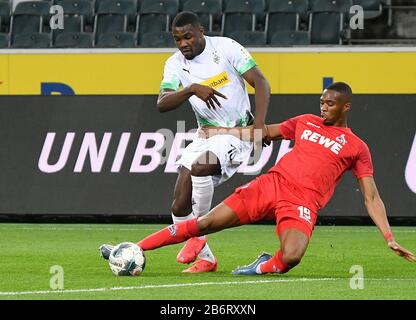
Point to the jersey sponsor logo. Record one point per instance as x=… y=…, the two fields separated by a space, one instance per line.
x=312 y=124
x=217 y=81
x=327 y=143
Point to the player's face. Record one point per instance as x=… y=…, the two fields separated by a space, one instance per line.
x=189 y=40
x=333 y=107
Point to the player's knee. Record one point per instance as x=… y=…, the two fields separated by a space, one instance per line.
x=292 y=255
x=199 y=170
x=180 y=208
x=204 y=225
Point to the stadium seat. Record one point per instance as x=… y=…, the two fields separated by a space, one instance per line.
x=156 y=16
x=31 y=40
x=33 y=8
x=82 y=8
x=4 y=16
x=242 y=15
x=289 y=6
x=30 y=16
x=73 y=40
x=326 y=28
x=208 y=11
x=327 y=20
x=116 y=40
x=72 y=23
x=161 y=39
x=170 y=7
x=249 y=38
x=290 y=38
x=341 y=6
x=115 y=16
x=285 y=15
x=4 y=40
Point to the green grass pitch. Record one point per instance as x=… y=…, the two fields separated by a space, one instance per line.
x=28 y=251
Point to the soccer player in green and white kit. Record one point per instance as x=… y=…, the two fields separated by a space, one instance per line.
x=209 y=72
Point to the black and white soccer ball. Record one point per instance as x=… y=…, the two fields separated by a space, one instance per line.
x=127 y=259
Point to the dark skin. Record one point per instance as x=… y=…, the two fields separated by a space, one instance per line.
x=334 y=108
x=191 y=42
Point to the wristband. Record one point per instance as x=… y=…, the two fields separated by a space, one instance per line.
x=388 y=236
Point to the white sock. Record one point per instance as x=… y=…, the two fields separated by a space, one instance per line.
x=206 y=254
x=202 y=193
x=180 y=219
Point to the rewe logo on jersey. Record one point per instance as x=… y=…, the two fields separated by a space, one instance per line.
x=217 y=81
x=327 y=143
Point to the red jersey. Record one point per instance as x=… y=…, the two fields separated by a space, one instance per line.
x=320 y=157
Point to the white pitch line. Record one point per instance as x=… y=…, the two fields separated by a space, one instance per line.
x=326 y=229
x=164 y=286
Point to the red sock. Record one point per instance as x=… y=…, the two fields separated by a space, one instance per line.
x=275 y=265
x=173 y=234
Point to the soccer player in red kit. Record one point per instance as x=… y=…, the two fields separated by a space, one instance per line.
x=293 y=191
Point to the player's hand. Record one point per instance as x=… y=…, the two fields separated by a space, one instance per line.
x=208 y=95
x=263 y=134
x=400 y=251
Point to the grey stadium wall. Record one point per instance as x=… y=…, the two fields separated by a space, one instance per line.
x=48 y=143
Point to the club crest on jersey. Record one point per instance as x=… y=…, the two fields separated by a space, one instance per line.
x=172 y=230
x=216 y=58
x=341 y=139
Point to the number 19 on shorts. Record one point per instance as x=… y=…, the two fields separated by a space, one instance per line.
x=304 y=213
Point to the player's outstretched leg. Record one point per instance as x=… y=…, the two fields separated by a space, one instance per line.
x=293 y=247
x=219 y=218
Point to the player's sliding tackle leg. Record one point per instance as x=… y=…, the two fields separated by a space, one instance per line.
x=293 y=247
x=221 y=217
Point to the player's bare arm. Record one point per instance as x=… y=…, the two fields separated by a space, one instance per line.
x=243 y=133
x=262 y=96
x=377 y=212
x=169 y=99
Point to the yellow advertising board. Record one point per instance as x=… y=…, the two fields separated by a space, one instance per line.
x=136 y=72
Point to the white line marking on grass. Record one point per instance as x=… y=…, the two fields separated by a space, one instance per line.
x=79 y=229
x=164 y=286
x=325 y=229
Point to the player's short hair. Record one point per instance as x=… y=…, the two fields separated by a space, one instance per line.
x=184 y=18
x=342 y=88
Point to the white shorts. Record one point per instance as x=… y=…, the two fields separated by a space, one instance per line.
x=231 y=152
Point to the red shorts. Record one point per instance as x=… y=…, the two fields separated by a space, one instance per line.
x=270 y=196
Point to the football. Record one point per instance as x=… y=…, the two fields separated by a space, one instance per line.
x=127 y=259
